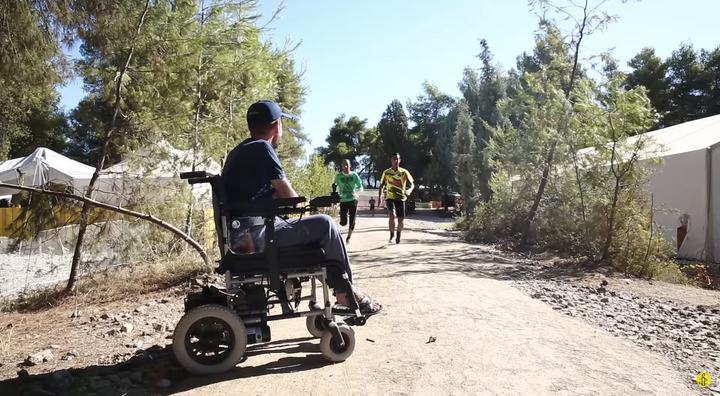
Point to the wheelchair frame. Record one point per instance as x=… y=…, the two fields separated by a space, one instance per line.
x=243 y=305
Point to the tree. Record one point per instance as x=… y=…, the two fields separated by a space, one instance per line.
x=649 y=70
x=427 y=114
x=711 y=67
x=441 y=171
x=31 y=64
x=566 y=72
x=685 y=78
x=372 y=149
x=463 y=156
x=123 y=65
x=394 y=134
x=343 y=141
x=482 y=91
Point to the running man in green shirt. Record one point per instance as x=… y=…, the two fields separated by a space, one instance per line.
x=349 y=184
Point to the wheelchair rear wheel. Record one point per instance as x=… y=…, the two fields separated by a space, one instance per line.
x=330 y=349
x=209 y=339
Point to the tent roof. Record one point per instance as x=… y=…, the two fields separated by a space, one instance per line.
x=677 y=139
x=172 y=160
x=689 y=136
x=60 y=167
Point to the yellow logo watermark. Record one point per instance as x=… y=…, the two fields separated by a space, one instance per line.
x=703 y=379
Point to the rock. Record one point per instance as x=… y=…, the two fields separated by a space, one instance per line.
x=22 y=373
x=76 y=314
x=126 y=328
x=104 y=316
x=38 y=358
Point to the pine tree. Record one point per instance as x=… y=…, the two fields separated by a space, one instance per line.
x=464 y=148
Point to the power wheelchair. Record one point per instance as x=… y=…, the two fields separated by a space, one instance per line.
x=219 y=323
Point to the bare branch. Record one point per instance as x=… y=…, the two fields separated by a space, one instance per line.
x=143 y=216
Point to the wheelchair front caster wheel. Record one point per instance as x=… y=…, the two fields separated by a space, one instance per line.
x=330 y=349
x=315 y=325
x=209 y=339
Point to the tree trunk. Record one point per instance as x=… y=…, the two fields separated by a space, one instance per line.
x=82 y=227
x=196 y=123
x=611 y=221
x=551 y=153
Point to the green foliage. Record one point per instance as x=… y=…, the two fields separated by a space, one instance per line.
x=312 y=179
x=30 y=66
x=428 y=113
x=394 y=135
x=441 y=171
x=683 y=87
x=463 y=153
x=344 y=141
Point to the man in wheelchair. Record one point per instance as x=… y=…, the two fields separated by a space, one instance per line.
x=253 y=172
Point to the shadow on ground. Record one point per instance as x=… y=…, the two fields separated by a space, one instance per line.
x=144 y=373
x=463 y=258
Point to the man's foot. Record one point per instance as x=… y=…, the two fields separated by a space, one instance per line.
x=347 y=240
x=397 y=239
x=367 y=306
x=392 y=235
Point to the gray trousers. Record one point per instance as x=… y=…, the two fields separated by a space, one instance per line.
x=315 y=230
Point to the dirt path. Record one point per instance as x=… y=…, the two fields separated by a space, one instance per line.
x=490 y=338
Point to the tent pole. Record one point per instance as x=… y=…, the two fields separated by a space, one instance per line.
x=710 y=234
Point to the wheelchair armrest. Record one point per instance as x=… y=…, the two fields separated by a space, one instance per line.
x=195 y=175
x=324 y=201
x=266 y=208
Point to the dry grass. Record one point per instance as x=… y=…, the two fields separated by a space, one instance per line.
x=110 y=285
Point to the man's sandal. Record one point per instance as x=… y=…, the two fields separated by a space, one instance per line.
x=367 y=307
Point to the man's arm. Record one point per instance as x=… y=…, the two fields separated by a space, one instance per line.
x=382 y=183
x=283 y=188
x=276 y=175
x=410 y=181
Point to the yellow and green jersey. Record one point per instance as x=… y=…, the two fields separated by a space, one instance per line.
x=396 y=181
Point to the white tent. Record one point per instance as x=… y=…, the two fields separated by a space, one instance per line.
x=687 y=184
x=43 y=166
x=160 y=164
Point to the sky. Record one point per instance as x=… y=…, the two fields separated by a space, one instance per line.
x=359 y=56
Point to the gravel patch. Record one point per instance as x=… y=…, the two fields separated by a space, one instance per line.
x=689 y=336
x=23 y=273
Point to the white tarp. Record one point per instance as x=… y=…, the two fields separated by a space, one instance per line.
x=157 y=166
x=685 y=187
x=43 y=166
x=160 y=165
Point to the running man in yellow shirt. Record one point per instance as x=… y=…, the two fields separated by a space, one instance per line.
x=399 y=184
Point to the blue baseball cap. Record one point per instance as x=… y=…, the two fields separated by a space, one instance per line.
x=264 y=112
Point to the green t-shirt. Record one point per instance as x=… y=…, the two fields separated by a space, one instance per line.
x=347 y=185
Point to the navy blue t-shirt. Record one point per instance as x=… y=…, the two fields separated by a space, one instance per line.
x=246 y=177
x=249 y=168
